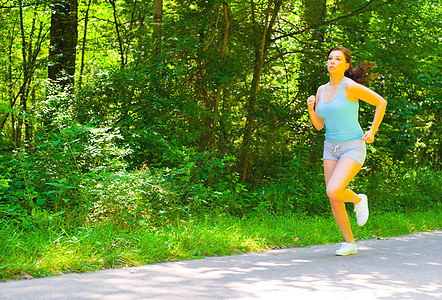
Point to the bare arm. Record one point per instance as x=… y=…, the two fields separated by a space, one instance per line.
x=312 y=104
x=357 y=91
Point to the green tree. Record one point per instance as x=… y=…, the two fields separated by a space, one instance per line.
x=63 y=41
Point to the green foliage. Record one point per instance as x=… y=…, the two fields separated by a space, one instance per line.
x=396 y=189
x=152 y=135
x=402 y=43
x=190 y=83
x=46 y=176
x=153 y=196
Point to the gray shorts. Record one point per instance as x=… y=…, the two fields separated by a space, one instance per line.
x=352 y=149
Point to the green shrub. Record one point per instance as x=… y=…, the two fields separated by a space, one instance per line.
x=125 y=198
x=396 y=188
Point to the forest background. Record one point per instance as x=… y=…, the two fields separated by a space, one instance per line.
x=151 y=114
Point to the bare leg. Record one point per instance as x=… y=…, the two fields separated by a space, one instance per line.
x=337 y=176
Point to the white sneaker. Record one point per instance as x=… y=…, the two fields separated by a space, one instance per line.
x=347 y=249
x=361 y=210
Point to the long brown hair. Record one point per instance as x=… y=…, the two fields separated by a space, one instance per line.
x=359 y=73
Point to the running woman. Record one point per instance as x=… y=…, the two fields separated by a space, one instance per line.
x=336 y=106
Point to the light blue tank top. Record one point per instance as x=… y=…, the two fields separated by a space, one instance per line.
x=340 y=116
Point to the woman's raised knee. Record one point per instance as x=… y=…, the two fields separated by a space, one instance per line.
x=333 y=193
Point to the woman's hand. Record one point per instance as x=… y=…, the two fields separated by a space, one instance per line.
x=311 y=102
x=368 y=137
x=316 y=120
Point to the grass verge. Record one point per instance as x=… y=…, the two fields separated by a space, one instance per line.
x=48 y=251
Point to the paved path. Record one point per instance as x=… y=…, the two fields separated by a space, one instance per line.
x=406 y=267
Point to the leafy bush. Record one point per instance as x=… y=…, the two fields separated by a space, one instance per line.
x=398 y=189
x=152 y=195
x=124 y=198
x=46 y=175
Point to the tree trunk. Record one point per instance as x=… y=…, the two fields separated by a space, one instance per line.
x=313 y=72
x=214 y=128
x=155 y=76
x=27 y=55
x=10 y=89
x=262 y=42
x=30 y=52
x=219 y=88
x=25 y=75
x=63 y=41
x=157 y=27
x=314 y=13
x=83 y=48
x=117 y=29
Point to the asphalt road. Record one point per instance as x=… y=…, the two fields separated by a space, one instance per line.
x=405 y=267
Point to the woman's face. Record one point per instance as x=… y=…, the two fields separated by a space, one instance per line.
x=336 y=63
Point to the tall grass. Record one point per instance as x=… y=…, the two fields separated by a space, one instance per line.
x=54 y=250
